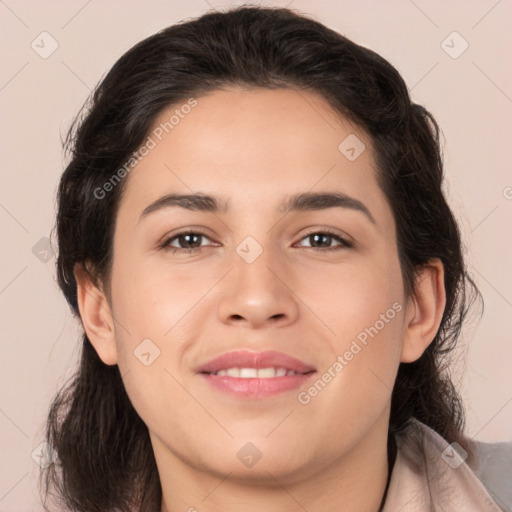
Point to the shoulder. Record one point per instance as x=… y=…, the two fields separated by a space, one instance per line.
x=493 y=467
x=431 y=474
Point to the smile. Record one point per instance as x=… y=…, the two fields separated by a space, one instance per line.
x=255 y=373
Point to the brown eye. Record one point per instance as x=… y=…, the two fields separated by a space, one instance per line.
x=188 y=241
x=322 y=240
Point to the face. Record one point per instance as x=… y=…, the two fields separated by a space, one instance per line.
x=312 y=287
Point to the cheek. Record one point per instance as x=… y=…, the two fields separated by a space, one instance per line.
x=156 y=309
x=364 y=308
x=356 y=297
x=354 y=387
x=153 y=332
x=153 y=300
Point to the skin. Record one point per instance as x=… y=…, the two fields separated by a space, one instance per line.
x=254 y=148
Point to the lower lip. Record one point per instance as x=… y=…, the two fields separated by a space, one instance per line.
x=256 y=388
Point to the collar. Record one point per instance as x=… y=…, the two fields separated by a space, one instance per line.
x=423 y=481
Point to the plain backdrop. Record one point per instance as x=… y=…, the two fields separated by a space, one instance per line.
x=455 y=58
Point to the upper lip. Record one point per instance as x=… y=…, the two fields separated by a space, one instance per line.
x=249 y=359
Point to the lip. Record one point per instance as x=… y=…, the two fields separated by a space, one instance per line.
x=248 y=359
x=255 y=388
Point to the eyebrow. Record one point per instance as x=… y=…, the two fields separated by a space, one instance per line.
x=305 y=201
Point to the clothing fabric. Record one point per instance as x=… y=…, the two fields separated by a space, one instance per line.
x=431 y=475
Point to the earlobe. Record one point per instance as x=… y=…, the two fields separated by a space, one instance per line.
x=424 y=311
x=96 y=316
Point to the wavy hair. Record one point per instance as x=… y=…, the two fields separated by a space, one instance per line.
x=105 y=458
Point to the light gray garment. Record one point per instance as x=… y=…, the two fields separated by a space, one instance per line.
x=430 y=475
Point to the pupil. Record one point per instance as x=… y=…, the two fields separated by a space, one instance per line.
x=318 y=236
x=187 y=238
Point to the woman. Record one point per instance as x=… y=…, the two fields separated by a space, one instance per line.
x=253 y=233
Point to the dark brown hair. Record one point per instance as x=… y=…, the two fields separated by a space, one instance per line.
x=105 y=459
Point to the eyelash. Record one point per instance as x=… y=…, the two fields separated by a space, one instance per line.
x=345 y=244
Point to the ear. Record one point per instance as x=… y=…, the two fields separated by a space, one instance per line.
x=424 y=311
x=96 y=315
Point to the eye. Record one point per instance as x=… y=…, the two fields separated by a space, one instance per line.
x=190 y=241
x=185 y=240
x=323 y=237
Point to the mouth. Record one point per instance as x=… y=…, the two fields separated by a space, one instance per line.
x=254 y=373
x=246 y=374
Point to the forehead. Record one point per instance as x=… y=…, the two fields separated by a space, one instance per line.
x=253 y=147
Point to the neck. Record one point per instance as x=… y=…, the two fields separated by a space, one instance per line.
x=355 y=482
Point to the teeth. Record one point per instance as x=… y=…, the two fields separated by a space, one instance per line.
x=267 y=373
x=253 y=373
x=248 y=373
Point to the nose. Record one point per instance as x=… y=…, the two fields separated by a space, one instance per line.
x=259 y=293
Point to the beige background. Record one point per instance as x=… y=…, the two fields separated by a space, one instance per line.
x=469 y=95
